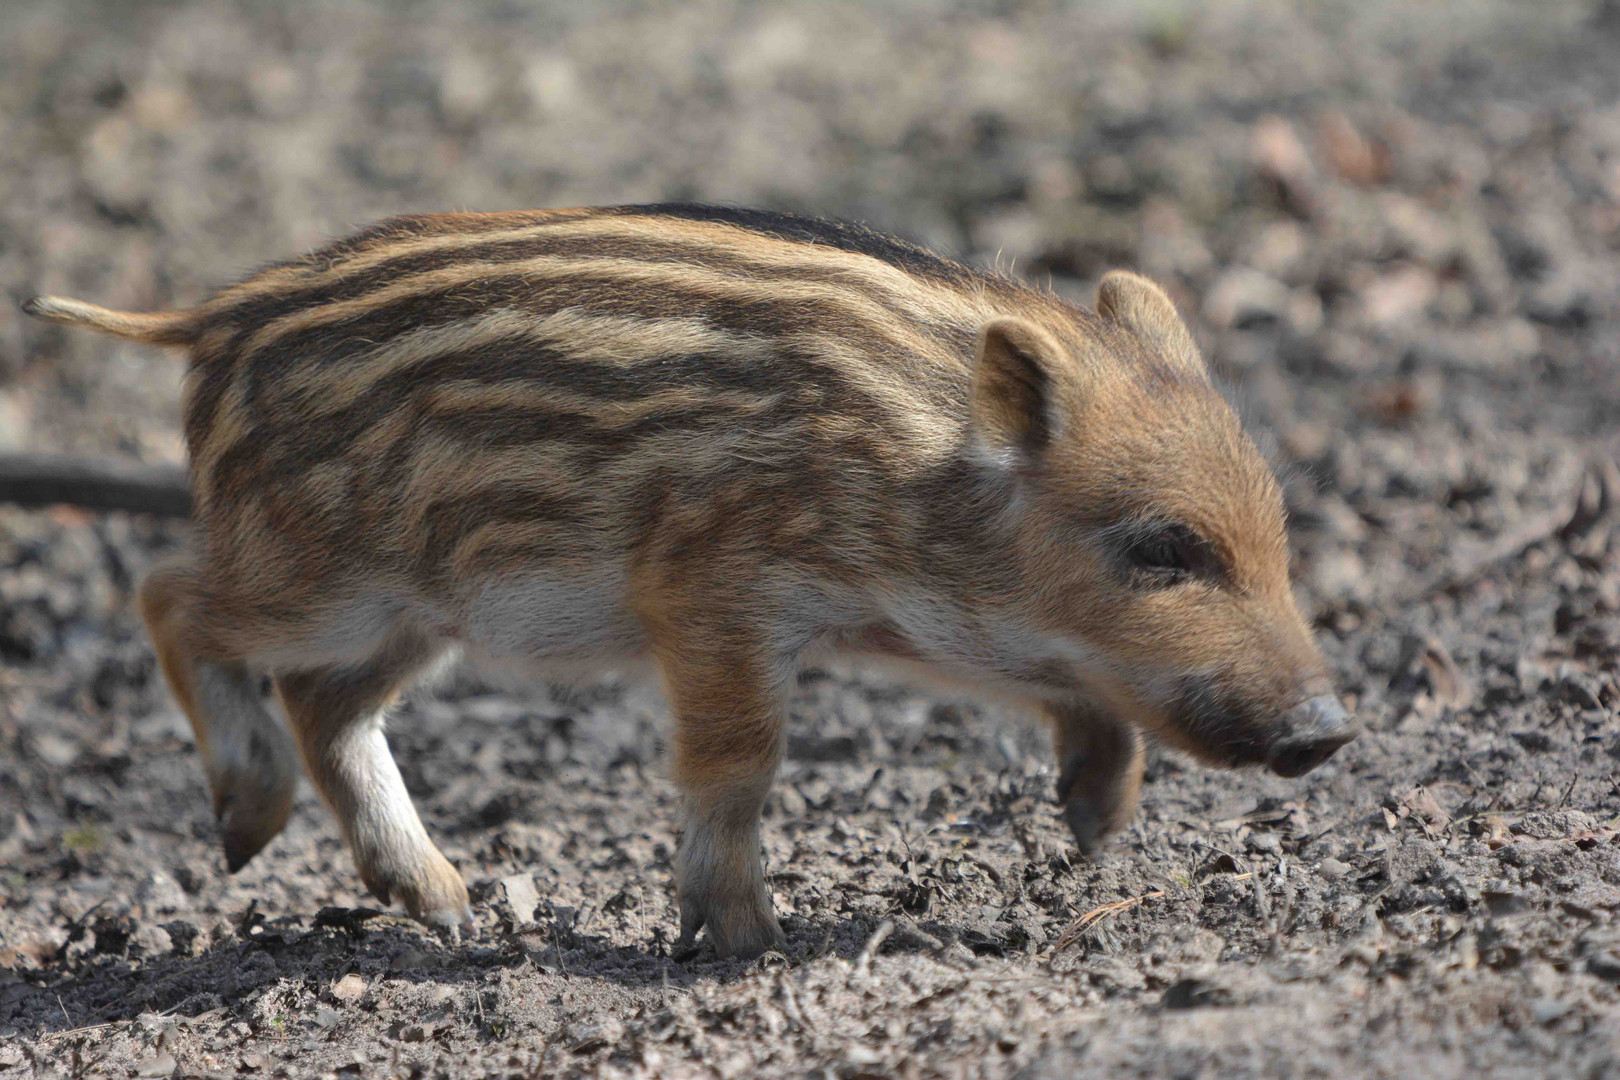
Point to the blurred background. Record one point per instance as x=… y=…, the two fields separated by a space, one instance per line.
x=1394 y=227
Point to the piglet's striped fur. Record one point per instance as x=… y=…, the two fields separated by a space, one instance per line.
x=721 y=445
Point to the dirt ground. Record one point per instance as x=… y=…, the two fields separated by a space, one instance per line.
x=1396 y=228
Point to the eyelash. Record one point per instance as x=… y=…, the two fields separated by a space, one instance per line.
x=1171 y=554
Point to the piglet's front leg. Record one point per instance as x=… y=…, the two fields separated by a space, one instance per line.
x=729 y=731
x=1099 y=771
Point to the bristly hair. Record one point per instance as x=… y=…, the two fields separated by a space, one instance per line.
x=1296 y=479
x=844 y=235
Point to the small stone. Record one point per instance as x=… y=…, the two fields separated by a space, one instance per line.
x=1193 y=993
x=413 y=1033
x=1332 y=869
x=1548 y=1010
x=515 y=899
x=189 y=878
x=253 y=1062
x=1243 y=298
x=859 y=1056
x=349 y=988
x=1398 y=295
x=1605 y=965
x=162 y=1065
x=187 y=939
x=1281 y=156
x=793 y=804
x=591 y=1036
x=1580 y=691
x=160 y=893
x=152 y=940
x=326 y=1017
x=55 y=750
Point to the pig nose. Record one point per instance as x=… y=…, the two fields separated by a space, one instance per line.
x=1313 y=732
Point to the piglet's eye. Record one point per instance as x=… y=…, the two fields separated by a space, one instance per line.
x=1167 y=554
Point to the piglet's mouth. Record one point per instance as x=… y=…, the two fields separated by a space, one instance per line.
x=1311 y=733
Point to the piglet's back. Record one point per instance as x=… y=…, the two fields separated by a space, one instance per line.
x=446 y=391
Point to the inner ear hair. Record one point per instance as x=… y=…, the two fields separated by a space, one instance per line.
x=1013 y=387
x=1136 y=304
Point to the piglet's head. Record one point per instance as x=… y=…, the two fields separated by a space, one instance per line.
x=1151 y=548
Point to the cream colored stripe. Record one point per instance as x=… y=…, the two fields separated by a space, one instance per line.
x=550 y=269
x=918 y=297
x=459 y=397
x=614 y=338
x=278 y=279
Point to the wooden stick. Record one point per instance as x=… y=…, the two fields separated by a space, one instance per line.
x=96 y=484
x=1102 y=911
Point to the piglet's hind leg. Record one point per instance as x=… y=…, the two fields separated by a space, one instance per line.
x=246 y=752
x=337 y=716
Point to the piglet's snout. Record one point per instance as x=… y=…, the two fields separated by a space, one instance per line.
x=1310 y=734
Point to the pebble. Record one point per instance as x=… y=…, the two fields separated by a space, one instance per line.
x=1605 y=965
x=1548 y=1010
x=349 y=988
x=160 y=893
x=1332 y=869
x=186 y=938
x=162 y=1065
x=153 y=940
x=515 y=898
x=1242 y=296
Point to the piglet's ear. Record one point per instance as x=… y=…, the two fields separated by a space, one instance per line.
x=1136 y=304
x=1013 y=386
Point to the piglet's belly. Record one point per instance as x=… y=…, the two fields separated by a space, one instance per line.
x=583 y=620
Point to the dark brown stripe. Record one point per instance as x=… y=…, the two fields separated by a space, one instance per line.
x=806 y=232
x=339 y=342
x=448 y=521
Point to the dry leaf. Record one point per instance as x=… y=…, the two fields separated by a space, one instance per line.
x=1432 y=677
x=1283 y=159
x=1420 y=805
x=1351 y=154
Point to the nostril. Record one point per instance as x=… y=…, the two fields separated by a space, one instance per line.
x=1312 y=733
x=1296 y=757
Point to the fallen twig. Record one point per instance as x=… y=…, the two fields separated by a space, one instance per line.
x=1097 y=914
x=50 y=479
x=863 y=962
x=82 y=1030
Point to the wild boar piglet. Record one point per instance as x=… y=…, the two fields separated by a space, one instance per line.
x=722 y=445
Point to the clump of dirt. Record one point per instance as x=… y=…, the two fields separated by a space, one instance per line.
x=1396 y=229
